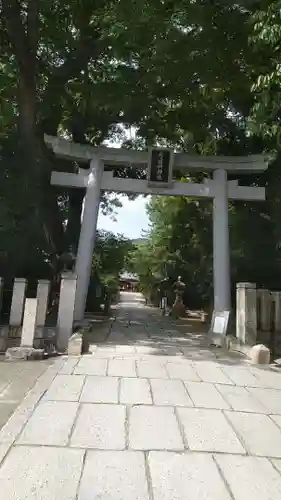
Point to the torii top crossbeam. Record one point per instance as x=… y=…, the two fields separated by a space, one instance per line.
x=113 y=156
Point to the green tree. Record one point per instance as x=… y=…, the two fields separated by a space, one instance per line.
x=180 y=72
x=109 y=260
x=266 y=40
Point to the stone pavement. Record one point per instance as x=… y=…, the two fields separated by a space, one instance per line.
x=16 y=379
x=151 y=414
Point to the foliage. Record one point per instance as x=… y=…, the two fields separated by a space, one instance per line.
x=266 y=40
x=186 y=74
x=109 y=260
x=110 y=254
x=180 y=244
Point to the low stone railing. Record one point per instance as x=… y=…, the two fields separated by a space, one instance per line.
x=27 y=319
x=258 y=314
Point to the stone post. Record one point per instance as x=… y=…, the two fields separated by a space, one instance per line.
x=26 y=349
x=246 y=313
x=265 y=307
x=66 y=310
x=43 y=289
x=29 y=322
x=18 y=298
x=221 y=263
x=276 y=297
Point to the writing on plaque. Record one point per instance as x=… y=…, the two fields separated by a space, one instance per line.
x=160 y=166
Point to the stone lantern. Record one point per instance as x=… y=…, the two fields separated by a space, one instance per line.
x=178 y=309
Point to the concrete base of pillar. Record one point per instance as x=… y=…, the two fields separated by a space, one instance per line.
x=260 y=355
x=75 y=344
x=216 y=340
x=265 y=299
x=24 y=353
x=234 y=344
x=246 y=313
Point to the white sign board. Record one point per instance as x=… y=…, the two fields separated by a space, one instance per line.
x=219 y=325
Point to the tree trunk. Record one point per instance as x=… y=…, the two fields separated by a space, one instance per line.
x=27 y=112
x=23 y=35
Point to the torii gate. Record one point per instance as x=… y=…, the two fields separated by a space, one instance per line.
x=160 y=163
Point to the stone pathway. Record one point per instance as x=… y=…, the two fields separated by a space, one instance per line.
x=16 y=379
x=151 y=414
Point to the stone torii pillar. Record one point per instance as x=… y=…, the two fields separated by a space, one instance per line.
x=221 y=254
x=86 y=245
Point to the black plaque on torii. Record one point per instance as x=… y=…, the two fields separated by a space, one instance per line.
x=160 y=167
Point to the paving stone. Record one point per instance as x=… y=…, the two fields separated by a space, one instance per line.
x=16 y=389
x=135 y=391
x=269 y=398
x=43 y=382
x=100 y=390
x=3 y=385
x=240 y=399
x=125 y=349
x=241 y=376
x=24 y=379
x=145 y=350
x=105 y=351
x=151 y=369
x=69 y=366
x=15 y=424
x=260 y=435
x=90 y=365
x=267 y=379
x=114 y=475
x=277 y=463
x=190 y=476
x=131 y=357
x=43 y=473
x=50 y=424
x=209 y=372
x=6 y=410
x=206 y=395
x=276 y=419
x=100 y=426
x=198 y=354
x=154 y=428
x=4 y=448
x=169 y=393
x=208 y=430
x=250 y=477
x=106 y=355
x=182 y=371
x=122 y=368
x=65 y=388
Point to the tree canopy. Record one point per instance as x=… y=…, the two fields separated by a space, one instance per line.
x=195 y=75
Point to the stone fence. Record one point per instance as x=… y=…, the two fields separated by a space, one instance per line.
x=258 y=315
x=27 y=319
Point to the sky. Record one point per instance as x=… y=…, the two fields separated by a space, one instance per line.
x=131 y=219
